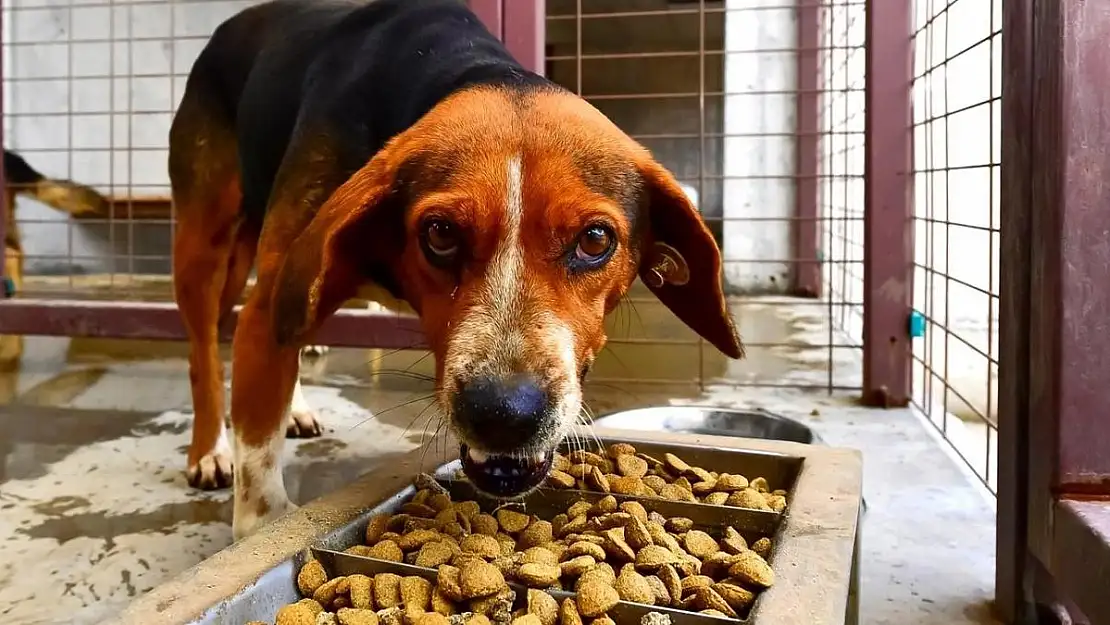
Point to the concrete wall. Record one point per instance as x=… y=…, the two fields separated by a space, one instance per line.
x=89 y=94
x=760 y=76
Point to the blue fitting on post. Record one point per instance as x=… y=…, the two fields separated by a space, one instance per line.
x=917 y=324
x=9 y=287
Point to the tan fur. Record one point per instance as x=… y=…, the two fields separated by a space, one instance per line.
x=69 y=197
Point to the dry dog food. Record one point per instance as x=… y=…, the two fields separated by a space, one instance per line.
x=416 y=601
x=605 y=552
x=624 y=471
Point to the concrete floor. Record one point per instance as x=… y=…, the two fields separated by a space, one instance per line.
x=95 y=510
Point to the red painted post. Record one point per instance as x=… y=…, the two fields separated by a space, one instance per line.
x=491 y=13
x=806 y=227
x=1060 y=460
x=1070 y=332
x=888 y=207
x=524 y=32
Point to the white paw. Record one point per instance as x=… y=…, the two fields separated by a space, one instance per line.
x=314 y=351
x=250 y=516
x=302 y=424
x=214 y=470
x=301 y=420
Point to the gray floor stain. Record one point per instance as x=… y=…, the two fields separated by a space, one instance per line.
x=107 y=527
x=59 y=505
x=34 y=437
x=320 y=448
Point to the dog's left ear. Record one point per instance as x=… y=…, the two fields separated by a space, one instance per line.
x=327 y=262
x=681 y=264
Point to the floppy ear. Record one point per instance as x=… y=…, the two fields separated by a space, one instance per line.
x=320 y=271
x=681 y=263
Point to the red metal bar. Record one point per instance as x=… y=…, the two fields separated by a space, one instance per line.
x=1011 y=570
x=491 y=13
x=161 y=321
x=524 y=32
x=888 y=231
x=806 y=228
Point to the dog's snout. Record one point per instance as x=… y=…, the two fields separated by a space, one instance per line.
x=504 y=413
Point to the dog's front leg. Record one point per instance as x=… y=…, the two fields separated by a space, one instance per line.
x=262 y=383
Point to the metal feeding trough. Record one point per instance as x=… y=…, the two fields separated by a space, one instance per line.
x=813 y=555
x=712 y=421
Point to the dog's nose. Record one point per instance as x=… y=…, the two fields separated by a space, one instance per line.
x=503 y=414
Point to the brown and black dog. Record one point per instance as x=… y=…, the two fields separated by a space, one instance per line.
x=341 y=143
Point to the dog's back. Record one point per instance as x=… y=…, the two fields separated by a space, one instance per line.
x=370 y=68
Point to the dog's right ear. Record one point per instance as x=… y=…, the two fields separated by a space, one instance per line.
x=325 y=265
x=682 y=264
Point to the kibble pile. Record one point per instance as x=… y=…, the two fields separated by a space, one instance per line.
x=604 y=552
x=628 y=472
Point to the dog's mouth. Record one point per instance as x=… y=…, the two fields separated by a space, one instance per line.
x=505 y=476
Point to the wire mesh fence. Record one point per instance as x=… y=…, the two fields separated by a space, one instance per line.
x=90 y=88
x=726 y=95
x=844 y=81
x=957 y=99
x=757 y=106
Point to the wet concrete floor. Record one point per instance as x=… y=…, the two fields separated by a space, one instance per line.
x=94 y=509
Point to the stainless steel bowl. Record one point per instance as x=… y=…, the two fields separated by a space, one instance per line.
x=712 y=421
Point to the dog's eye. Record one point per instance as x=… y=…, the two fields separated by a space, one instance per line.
x=441 y=238
x=593 y=244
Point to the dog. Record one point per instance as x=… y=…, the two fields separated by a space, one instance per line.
x=335 y=144
x=20 y=178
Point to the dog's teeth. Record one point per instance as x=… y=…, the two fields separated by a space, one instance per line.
x=478 y=456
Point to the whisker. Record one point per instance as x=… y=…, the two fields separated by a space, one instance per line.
x=393 y=352
x=612 y=352
x=391 y=408
x=588 y=423
x=636 y=311
x=626 y=312
x=579 y=444
x=434 y=439
x=442 y=425
x=412 y=375
x=423 y=430
x=418 y=361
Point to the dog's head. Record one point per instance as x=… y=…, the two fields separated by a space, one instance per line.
x=512 y=222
